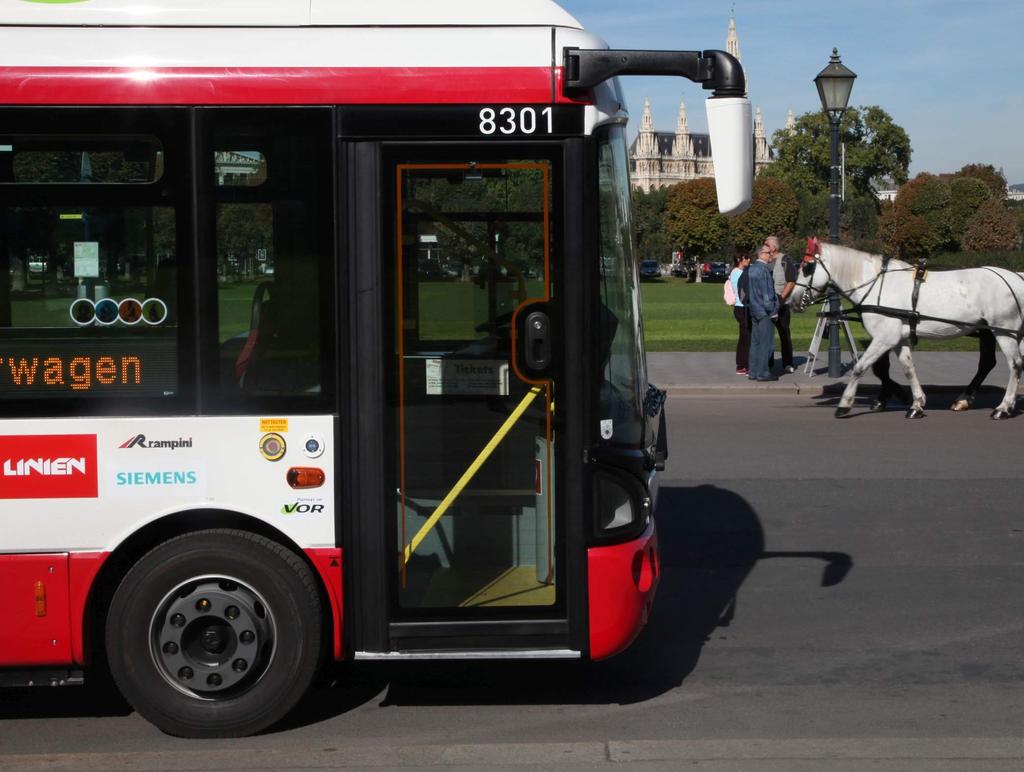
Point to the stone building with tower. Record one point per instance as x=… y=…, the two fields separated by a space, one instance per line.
x=658 y=159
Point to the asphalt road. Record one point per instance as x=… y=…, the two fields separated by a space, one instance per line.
x=838 y=595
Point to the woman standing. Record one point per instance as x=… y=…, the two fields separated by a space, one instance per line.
x=739 y=264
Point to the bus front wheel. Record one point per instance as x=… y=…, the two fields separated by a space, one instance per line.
x=216 y=633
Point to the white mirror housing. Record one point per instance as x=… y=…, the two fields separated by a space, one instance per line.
x=732 y=148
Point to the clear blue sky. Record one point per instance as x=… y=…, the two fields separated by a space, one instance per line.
x=950 y=72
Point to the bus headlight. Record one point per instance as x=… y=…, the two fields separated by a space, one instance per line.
x=619 y=506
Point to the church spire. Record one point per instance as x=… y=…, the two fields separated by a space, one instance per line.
x=646 y=146
x=732 y=40
x=790 y=122
x=681 y=127
x=682 y=145
x=762 y=154
x=646 y=120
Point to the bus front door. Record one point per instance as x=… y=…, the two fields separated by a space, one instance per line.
x=473 y=539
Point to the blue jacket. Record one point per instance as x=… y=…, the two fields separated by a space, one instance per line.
x=762 y=301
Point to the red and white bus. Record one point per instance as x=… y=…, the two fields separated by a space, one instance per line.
x=320 y=339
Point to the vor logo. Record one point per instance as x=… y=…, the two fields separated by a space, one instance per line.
x=301 y=508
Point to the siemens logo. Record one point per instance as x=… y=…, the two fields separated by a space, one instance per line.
x=156 y=478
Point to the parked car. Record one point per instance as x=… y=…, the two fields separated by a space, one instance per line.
x=686 y=269
x=715 y=272
x=650 y=269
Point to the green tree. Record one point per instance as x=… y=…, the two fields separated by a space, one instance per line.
x=988 y=174
x=773 y=211
x=928 y=196
x=692 y=219
x=966 y=195
x=876 y=147
x=241 y=230
x=904 y=234
x=649 y=223
x=991 y=228
x=956 y=212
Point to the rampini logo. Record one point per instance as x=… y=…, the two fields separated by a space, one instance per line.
x=140 y=441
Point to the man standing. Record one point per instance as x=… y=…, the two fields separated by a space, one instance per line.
x=784 y=277
x=763 y=306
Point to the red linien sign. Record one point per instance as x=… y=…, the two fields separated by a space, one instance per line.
x=48 y=466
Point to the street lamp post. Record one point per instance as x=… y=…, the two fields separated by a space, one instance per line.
x=834 y=85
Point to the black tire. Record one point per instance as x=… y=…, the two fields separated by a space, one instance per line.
x=216 y=633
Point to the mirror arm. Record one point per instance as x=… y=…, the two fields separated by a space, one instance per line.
x=714 y=70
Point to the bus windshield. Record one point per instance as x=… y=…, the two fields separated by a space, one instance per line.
x=623 y=359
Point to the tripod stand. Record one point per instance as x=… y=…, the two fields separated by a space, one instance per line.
x=819 y=333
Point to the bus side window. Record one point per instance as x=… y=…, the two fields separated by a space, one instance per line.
x=283 y=350
x=89 y=277
x=165 y=287
x=272 y=192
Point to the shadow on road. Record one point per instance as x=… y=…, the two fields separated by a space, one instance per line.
x=938 y=398
x=710 y=540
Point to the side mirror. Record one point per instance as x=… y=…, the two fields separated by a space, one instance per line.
x=732 y=147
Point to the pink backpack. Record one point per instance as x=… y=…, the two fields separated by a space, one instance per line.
x=728 y=293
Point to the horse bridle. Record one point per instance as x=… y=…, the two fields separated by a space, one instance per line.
x=806 y=299
x=807 y=269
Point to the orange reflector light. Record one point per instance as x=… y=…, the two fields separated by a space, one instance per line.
x=306 y=477
x=40 y=589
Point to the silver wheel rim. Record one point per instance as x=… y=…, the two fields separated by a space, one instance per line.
x=212 y=637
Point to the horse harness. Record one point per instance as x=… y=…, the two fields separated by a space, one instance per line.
x=913 y=316
x=920 y=274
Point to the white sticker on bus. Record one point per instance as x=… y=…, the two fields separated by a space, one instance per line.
x=158 y=480
x=467 y=377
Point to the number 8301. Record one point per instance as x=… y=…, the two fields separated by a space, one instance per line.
x=511 y=120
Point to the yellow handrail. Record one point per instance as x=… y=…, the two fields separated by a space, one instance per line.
x=469 y=473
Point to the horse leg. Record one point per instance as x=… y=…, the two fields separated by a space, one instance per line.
x=871 y=354
x=889 y=387
x=916 y=409
x=1011 y=350
x=986 y=361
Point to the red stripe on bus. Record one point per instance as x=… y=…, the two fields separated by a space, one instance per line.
x=278 y=85
x=621 y=581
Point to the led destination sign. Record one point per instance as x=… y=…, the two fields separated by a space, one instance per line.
x=63 y=367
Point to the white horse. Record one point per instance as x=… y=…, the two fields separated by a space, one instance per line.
x=948 y=304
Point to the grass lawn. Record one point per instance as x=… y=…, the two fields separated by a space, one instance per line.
x=679 y=316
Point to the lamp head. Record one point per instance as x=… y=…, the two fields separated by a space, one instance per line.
x=834 y=84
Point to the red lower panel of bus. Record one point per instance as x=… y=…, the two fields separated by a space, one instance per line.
x=84 y=566
x=35 y=627
x=622 y=580
x=44 y=600
x=328 y=565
